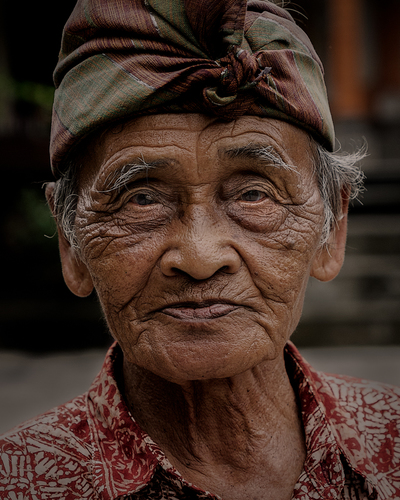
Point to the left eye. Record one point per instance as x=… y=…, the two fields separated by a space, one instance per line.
x=142 y=199
x=253 y=195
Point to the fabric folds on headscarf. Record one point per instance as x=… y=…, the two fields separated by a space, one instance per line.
x=124 y=58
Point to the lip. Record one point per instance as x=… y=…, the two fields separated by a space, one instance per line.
x=191 y=311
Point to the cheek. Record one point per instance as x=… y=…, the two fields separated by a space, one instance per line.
x=120 y=261
x=280 y=261
x=281 y=277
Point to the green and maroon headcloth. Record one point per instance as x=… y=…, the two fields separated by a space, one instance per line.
x=124 y=58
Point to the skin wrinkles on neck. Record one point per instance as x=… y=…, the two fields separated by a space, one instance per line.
x=229 y=426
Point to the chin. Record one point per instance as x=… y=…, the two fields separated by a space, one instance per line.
x=202 y=350
x=186 y=362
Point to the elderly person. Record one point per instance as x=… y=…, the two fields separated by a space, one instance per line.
x=196 y=193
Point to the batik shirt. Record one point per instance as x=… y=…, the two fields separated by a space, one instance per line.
x=92 y=448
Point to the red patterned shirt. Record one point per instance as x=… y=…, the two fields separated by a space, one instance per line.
x=91 y=447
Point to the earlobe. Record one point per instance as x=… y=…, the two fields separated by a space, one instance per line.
x=76 y=274
x=329 y=259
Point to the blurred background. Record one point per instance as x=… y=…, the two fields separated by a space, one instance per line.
x=357 y=314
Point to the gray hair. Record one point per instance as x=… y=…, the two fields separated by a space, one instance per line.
x=337 y=174
x=65 y=199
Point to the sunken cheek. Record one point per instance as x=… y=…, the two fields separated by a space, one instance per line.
x=121 y=254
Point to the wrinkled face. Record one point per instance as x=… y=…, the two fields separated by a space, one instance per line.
x=201 y=254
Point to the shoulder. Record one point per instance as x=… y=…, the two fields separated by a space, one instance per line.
x=362 y=417
x=365 y=417
x=361 y=403
x=48 y=455
x=371 y=404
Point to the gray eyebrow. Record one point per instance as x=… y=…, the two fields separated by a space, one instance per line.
x=123 y=175
x=266 y=154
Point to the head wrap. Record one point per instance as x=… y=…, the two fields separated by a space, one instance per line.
x=124 y=58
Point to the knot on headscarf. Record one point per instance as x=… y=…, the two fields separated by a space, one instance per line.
x=242 y=72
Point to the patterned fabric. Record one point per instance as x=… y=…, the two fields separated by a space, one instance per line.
x=227 y=58
x=91 y=448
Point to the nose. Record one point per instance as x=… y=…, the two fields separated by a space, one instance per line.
x=200 y=248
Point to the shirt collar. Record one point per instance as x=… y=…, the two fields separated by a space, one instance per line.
x=125 y=458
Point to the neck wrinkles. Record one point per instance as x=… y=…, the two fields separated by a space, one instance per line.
x=225 y=422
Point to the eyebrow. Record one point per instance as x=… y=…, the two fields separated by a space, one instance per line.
x=123 y=175
x=264 y=154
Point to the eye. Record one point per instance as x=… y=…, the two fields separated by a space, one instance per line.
x=142 y=199
x=253 y=195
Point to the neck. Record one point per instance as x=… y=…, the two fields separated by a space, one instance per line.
x=234 y=424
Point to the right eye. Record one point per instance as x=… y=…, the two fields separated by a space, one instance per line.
x=253 y=195
x=142 y=199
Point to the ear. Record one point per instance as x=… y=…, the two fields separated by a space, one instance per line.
x=76 y=274
x=329 y=260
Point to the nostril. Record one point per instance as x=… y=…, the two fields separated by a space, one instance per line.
x=191 y=276
x=175 y=271
x=198 y=262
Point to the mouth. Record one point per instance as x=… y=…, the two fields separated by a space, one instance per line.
x=199 y=310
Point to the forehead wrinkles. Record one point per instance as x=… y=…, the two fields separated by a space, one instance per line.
x=240 y=133
x=241 y=139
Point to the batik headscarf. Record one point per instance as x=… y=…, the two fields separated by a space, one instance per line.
x=124 y=58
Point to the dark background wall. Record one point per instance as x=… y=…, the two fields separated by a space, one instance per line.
x=38 y=313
